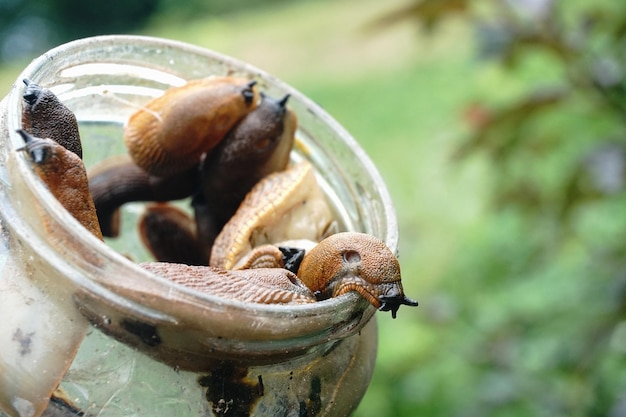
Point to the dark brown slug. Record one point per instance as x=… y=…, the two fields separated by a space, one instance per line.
x=44 y=116
x=119 y=180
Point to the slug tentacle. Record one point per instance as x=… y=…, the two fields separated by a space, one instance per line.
x=393 y=303
x=248 y=92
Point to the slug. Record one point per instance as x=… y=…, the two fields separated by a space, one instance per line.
x=255 y=148
x=45 y=116
x=355 y=262
x=64 y=174
x=340 y=263
x=119 y=180
x=172 y=132
x=283 y=206
x=258 y=145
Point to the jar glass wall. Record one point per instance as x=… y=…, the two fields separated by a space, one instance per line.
x=64 y=290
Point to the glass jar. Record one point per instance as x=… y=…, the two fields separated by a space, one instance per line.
x=184 y=353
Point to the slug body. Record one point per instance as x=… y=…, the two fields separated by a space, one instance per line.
x=44 y=116
x=260 y=285
x=64 y=174
x=283 y=206
x=171 y=133
x=118 y=181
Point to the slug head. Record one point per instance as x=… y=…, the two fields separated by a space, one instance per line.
x=64 y=174
x=359 y=262
x=45 y=116
x=38 y=149
x=253 y=144
x=33 y=92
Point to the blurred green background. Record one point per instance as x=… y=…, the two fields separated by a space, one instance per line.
x=499 y=127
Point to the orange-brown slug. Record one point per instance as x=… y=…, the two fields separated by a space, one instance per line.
x=172 y=132
x=358 y=262
x=45 y=116
x=64 y=174
x=340 y=263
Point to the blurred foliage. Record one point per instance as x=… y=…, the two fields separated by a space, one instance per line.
x=540 y=293
x=192 y=8
x=29 y=28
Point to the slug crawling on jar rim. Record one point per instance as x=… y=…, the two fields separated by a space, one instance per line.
x=172 y=132
x=340 y=263
x=64 y=174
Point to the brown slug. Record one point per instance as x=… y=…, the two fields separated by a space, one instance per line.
x=172 y=132
x=257 y=146
x=119 y=180
x=358 y=262
x=259 y=285
x=283 y=206
x=64 y=174
x=44 y=116
x=340 y=263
